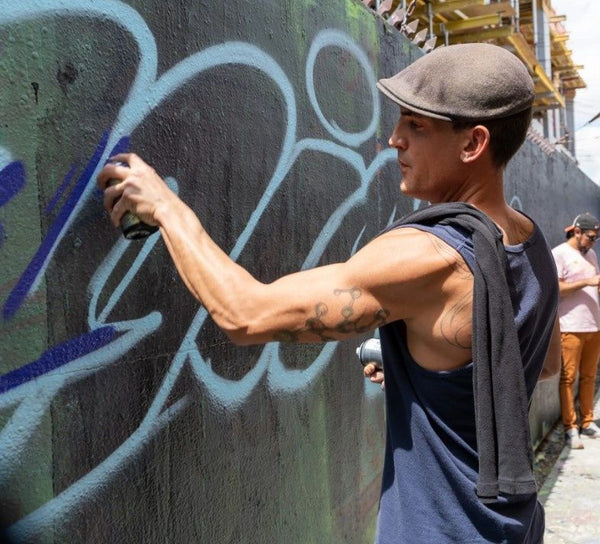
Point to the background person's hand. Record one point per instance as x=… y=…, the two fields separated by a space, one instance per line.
x=595 y=281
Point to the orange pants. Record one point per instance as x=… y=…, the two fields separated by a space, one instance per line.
x=580 y=352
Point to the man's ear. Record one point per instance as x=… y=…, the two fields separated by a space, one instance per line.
x=477 y=143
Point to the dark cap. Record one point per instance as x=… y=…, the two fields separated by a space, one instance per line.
x=584 y=221
x=475 y=81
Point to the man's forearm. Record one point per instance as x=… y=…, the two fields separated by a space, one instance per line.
x=214 y=279
x=567 y=288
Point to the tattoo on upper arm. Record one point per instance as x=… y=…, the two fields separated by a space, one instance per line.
x=455 y=324
x=348 y=323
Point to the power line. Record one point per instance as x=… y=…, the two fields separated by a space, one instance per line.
x=597 y=116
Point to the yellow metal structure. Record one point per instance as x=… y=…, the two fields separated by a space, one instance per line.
x=511 y=24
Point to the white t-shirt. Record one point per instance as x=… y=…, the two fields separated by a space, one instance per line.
x=579 y=311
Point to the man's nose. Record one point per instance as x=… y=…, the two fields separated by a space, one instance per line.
x=397 y=140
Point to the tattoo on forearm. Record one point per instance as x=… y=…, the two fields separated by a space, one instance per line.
x=348 y=323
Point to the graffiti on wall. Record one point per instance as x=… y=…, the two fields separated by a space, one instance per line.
x=30 y=389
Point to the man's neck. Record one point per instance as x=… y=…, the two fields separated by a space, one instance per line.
x=487 y=195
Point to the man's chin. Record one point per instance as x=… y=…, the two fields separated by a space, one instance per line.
x=406 y=190
x=413 y=193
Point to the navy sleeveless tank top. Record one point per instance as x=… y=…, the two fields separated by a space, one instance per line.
x=428 y=491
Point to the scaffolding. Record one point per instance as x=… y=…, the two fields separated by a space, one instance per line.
x=530 y=29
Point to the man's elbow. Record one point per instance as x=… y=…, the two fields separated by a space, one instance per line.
x=235 y=330
x=242 y=332
x=240 y=337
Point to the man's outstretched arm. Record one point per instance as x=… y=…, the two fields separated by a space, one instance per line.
x=393 y=277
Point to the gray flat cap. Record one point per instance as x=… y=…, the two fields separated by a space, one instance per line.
x=476 y=81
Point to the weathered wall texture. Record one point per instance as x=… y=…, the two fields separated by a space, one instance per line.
x=125 y=416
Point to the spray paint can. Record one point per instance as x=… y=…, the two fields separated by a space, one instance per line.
x=370 y=351
x=132 y=226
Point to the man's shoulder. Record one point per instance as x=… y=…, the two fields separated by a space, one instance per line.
x=417 y=246
x=431 y=250
x=420 y=233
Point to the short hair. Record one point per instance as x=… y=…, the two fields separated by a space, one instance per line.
x=507 y=134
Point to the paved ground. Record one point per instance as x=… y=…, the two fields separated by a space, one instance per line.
x=571 y=492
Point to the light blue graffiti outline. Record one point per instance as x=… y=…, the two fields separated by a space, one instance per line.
x=336 y=38
x=131 y=114
x=5 y=157
x=515 y=202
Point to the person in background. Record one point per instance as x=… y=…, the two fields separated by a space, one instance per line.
x=579 y=316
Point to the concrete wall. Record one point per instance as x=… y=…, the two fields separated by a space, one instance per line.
x=125 y=416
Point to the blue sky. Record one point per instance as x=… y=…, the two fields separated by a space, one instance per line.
x=583 y=26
